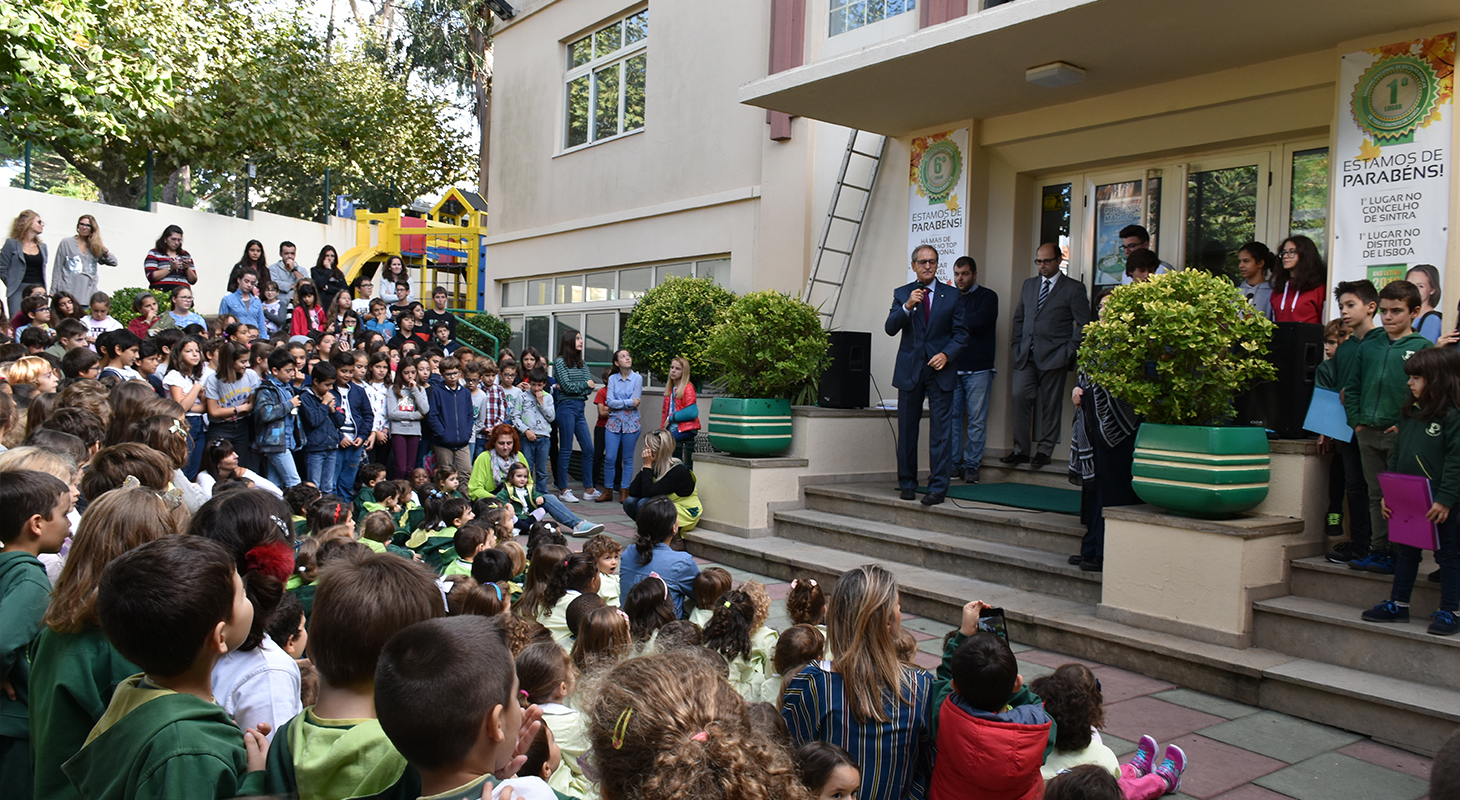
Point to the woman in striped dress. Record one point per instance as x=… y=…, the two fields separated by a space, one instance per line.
x=864 y=700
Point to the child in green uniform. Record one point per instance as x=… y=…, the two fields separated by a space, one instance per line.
x=1428 y=443
x=433 y=540
x=469 y=542
x=465 y=658
x=173 y=606
x=336 y=748
x=75 y=670
x=300 y=497
x=365 y=482
x=377 y=530
x=1358 y=302
x=1375 y=397
x=33 y=507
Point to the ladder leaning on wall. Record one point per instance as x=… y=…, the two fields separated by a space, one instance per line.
x=833 y=259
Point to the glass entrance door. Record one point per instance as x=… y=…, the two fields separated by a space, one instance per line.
x=1226 y=207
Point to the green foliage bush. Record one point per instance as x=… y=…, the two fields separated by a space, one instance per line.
x=769 y=345
x=674 y=319
x=1178 y=348
x=490 y=323
x=122 y=303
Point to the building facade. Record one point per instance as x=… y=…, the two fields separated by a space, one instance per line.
x=634 y=141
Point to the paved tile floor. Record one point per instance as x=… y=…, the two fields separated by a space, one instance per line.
x=1236 y=752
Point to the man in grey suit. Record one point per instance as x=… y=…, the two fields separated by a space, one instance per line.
x=1048 y=326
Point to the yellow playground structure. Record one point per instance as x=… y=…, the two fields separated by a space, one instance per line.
x=443 y=247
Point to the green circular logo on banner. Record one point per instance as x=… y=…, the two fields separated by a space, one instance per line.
x=939 y=170
x=1394 y=96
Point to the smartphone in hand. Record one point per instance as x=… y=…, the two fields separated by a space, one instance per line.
x=992 y=621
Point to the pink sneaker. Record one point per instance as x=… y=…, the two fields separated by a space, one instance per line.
x=1145 y=757
x=1171 y=768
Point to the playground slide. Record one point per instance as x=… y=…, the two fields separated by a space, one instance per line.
x=357 y=257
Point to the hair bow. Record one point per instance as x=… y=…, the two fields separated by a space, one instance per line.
x=444 y=586
x=177 y=428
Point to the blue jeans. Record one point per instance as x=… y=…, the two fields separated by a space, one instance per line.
x=557 y=510
x=618 y=446
x=320 y=467
x=349 y=463
x=572 y=423
x=971 y=397
x=1406 y=566
x=536 y=454
x=281 y=469
x=631 y=506
x=195 y=447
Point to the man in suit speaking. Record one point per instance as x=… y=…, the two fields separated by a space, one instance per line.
x=929 y=317
x=1048 y=327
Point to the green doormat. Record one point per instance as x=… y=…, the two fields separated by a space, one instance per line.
x=1019 y=495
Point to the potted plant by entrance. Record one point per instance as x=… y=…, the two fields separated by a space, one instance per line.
x=674 y=319
x=1178 y=348
x=767 y=349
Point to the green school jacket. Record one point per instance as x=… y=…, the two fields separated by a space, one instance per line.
x=73 y=677
x=943 y=686
x=1377 y=392
x=1346 y=357
x=362 y=497
x=318 y=759
x=24 y=594
x=157 y=743
x=1430 y=448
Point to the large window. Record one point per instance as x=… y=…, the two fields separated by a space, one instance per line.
x=596 y=304
x=847 y=15
x=605 y=81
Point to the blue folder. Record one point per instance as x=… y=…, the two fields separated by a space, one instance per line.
x=1326 y=416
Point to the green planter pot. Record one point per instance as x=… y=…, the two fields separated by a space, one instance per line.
x=750 y=427
x=1199 y=471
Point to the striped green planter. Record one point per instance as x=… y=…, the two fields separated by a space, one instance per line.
x=1199 y=471
x=750 y=427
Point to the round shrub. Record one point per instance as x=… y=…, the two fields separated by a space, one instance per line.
x=770 y=345
x=674 y=319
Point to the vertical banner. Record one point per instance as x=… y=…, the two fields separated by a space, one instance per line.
x=1116 y=206
x=1391 y=204
x=937 y=190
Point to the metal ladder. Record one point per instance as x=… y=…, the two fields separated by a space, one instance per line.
x=839 y=233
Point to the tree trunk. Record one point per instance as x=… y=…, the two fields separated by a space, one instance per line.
x=116 y=182
x=179 y=184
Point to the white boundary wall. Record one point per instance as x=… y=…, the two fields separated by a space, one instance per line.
x=215 y=241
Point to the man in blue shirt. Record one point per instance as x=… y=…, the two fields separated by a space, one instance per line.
x=245 y=305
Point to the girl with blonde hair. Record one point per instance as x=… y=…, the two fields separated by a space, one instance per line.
x=668 y=726
x=680 y=415
x=665 y=475
x=35 y=371
x=75 y=669
x=864 y=699
x=23 y=257
x=74 y=271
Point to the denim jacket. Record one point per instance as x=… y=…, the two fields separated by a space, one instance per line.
x=276 y=426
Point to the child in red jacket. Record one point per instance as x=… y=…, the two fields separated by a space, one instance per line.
x=992 y=732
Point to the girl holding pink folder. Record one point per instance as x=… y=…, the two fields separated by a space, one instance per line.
x=1428 y=445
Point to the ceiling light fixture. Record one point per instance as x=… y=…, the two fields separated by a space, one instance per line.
x=1054 y=75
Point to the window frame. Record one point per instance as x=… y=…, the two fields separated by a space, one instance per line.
x=589 y=69
x=833 y=6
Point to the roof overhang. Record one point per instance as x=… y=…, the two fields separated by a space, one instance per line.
x=974 y=67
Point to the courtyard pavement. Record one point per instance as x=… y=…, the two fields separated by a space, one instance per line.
x=1234 y=751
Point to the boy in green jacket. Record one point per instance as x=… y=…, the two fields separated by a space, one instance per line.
x=33 y=508
x=943 y=679
x=174 y=607
x=1358 y=302
x=1375 y=396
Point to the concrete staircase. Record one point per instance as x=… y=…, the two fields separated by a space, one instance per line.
x=1312 y=657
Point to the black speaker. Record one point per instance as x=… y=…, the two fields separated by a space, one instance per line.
x=845 y=382
x=1281 y=405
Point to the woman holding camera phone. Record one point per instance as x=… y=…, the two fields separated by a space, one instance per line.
x=168 y=265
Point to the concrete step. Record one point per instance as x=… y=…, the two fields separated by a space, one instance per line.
x=879 y=502
x=1056 y=475
x=1318 y=579
x=959 y=554
x=1333 y=633
x=1407 y=714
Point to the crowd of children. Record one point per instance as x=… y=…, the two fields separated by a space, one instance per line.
x=404 y=644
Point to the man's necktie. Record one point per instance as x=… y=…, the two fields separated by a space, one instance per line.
x=1043 y=293
x=927 y=303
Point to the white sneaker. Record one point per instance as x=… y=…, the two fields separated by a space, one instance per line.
x=592 y=494
x=586 y=529
x=568 y=497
